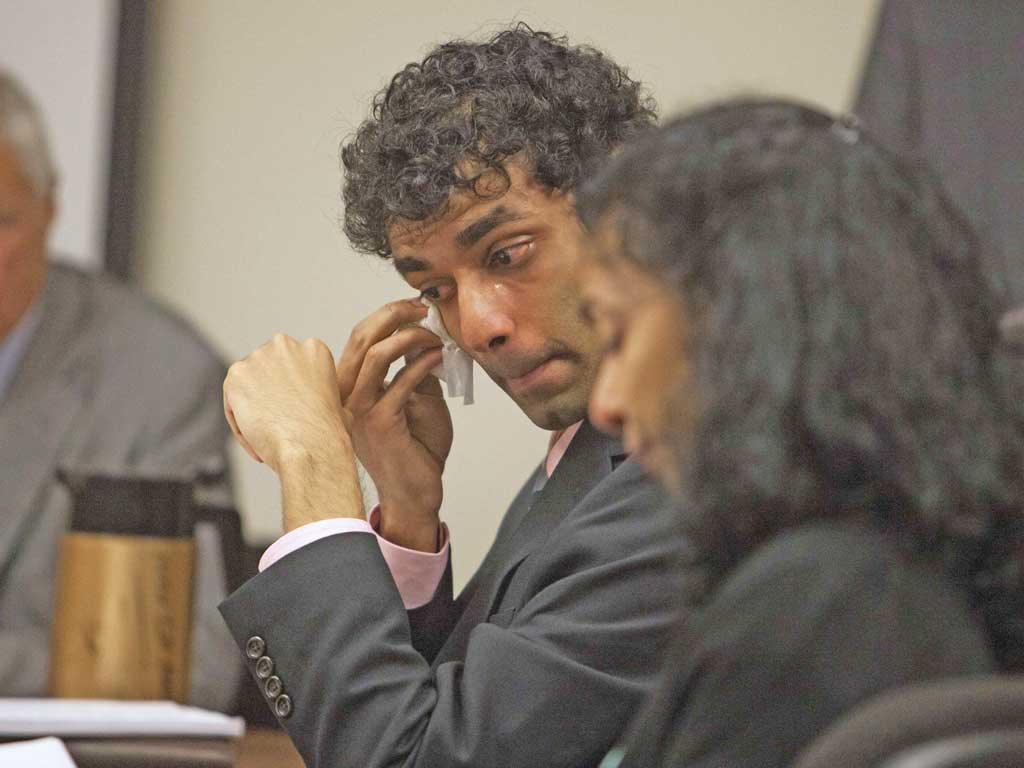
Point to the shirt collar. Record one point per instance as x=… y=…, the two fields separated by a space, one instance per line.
x=13 y=346
x=558 y=445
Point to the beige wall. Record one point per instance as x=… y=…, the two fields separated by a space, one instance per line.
x=250 y=100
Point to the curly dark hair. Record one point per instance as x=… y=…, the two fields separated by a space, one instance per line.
x=564 y=108
x=846 y=342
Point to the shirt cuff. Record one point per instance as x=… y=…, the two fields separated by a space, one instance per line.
x=416 y=573
x=308 y=533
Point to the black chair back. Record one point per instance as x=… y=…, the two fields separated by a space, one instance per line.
x=964 y=722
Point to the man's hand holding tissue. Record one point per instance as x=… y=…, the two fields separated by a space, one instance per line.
x=282 y=404
x=401 y=430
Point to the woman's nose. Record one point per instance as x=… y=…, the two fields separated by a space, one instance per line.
x=607 y=408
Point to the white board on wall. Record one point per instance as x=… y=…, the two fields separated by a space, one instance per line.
x=64 y=53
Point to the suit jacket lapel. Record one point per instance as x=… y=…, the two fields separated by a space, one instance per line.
x=532 y=517
x=590 y=458
x=38 y=413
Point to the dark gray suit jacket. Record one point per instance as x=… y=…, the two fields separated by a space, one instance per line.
x=541 y=661
x=109 y=381
x=944 y=83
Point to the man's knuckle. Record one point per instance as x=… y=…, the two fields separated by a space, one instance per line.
x=372 y=421
x=284 y=340
x=320 y=350
x=359 y=338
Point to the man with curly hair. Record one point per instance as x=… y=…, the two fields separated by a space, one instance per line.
x=464 y=178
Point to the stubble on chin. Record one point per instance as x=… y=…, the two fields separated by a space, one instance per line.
x=561 y=410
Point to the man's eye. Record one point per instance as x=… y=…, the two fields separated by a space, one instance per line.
x=505 y=257
x=438 y=294
x=613 y=342
x=611 y=335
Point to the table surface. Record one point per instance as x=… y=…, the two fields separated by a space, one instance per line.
x=267 y=748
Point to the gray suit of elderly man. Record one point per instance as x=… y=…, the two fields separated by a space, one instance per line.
x=92 y=375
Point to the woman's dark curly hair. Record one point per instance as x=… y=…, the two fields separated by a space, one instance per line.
x=845 y=342
x=563 y=107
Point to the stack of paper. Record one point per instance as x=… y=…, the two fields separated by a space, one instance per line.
x=41 y=753
x=93 y=717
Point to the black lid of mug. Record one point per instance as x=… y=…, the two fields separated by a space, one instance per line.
x=130 y=505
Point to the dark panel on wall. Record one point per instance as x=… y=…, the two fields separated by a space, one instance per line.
x=122 y=190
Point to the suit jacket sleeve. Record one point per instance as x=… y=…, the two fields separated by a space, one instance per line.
x=550 y=681
x=430 y=624
x=186 y=429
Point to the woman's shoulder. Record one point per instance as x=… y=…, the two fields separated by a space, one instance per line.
x=834 y=555
x=844 y=584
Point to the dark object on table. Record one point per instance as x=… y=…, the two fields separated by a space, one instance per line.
x=122 y=626
x=152 y=753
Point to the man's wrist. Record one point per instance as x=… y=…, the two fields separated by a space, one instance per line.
x=421 y=534
x=319 y=484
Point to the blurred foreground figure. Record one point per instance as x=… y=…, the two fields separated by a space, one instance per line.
x=802 y=343
x=92 y=376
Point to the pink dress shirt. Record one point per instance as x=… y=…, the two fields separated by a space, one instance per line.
x=416 y=573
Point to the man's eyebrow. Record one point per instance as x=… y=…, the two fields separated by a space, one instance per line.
x=478 y=229
x=408 y=264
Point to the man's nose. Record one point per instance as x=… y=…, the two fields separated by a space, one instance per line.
x=485 y=320
x=607 y=407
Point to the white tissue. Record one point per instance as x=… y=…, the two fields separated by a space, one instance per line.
x=456 y=368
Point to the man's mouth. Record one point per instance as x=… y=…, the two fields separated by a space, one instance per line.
x=534 y=376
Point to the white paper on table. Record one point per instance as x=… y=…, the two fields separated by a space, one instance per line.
x=39 y=753
x=98 y=717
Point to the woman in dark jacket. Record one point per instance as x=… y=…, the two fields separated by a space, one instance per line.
x=802 y=343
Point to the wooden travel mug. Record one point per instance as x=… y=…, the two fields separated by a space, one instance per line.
x=123 y=611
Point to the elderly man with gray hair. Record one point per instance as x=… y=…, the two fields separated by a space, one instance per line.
x=92 y=374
